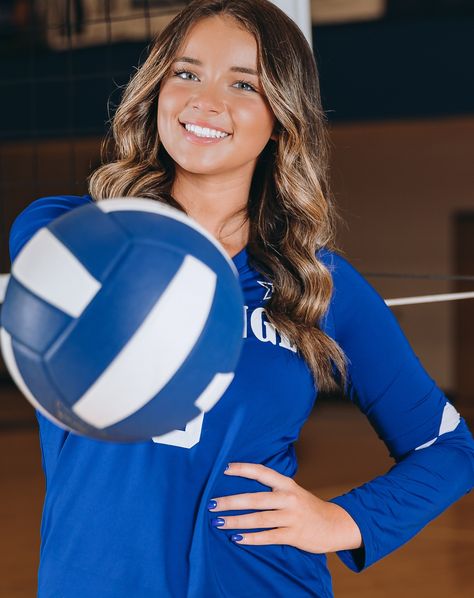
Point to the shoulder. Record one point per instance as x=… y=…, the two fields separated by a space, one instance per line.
x=343 y=273
x=53 y=204
x=354 y=300
x=40 y=213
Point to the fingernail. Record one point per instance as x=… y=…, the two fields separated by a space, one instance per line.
x=236 y=538
x=227 y=467
x=217 y=522
x=212 y=504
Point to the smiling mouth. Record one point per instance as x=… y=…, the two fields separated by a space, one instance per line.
x=184 y=127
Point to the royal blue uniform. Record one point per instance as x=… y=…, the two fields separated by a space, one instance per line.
x=123 y=520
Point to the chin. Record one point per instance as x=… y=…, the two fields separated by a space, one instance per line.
x=196 y=168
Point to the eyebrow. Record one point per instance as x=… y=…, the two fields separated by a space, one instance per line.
x=235 y=69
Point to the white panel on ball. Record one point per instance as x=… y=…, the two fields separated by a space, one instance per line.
x=49 y=270
x=116 y=394
x=214 y=390
x=300 y=12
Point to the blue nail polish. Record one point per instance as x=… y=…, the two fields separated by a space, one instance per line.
x=217 y=522
x=226 y=467
x=212 y=504
x=236 y=538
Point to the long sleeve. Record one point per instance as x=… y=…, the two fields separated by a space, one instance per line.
x=38 y=214
x=428 y=439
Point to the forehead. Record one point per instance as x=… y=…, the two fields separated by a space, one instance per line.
x=220 y=37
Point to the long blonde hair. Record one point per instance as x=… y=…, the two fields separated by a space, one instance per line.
x=290 y=212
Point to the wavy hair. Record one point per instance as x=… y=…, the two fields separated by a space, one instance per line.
x=289 y=209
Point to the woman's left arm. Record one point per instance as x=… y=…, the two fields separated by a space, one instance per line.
x=429 y=441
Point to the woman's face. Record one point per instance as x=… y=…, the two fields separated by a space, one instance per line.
x=208 y=93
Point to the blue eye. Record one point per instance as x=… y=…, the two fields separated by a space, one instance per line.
x=248 y=85
x=178 y=73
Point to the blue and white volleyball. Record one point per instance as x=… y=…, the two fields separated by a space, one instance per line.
x=122 y=320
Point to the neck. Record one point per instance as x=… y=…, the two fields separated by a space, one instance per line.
x=218 y=206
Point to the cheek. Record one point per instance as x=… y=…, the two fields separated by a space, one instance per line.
x=257 y=122
x=168 y=105
x=163 y=109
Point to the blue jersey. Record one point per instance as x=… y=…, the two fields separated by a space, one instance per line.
x=124 y=520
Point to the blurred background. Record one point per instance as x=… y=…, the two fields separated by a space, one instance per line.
x=398 y=89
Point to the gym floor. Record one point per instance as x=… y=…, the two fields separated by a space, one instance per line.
x=435 y=564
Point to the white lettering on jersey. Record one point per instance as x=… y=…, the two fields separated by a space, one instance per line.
x=285 y=343
x=263 y=330
x=257 y=324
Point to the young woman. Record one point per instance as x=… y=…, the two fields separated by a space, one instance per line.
x=224 y=121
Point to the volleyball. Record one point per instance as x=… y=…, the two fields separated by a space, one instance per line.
x=122 y=320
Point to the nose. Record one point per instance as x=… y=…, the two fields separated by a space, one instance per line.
x=207 y=99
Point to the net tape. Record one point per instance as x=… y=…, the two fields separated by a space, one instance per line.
x=396 y=302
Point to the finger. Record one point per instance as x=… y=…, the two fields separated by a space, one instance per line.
x=261 y=473
x=249 y=500
x=271 y=536
x=261 y=519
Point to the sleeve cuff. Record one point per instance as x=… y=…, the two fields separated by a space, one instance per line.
x=360 y=558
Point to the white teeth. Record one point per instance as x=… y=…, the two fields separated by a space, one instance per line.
x=205 y=132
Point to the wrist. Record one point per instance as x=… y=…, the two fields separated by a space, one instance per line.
x=346 y=533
